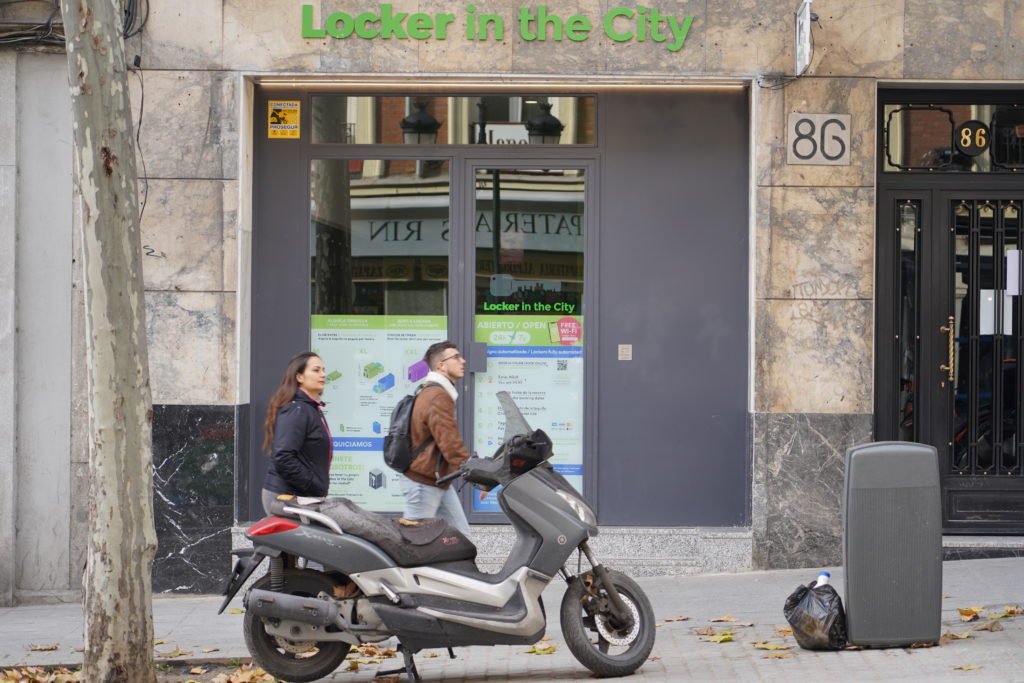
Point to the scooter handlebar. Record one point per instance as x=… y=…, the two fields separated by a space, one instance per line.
x=448 y=477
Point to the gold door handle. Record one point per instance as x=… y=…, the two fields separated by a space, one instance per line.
x=948 y=329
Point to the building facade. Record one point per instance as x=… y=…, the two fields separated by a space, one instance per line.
x=724 y=267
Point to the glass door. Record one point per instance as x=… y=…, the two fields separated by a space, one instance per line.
x=950 y=345
x=528 y=232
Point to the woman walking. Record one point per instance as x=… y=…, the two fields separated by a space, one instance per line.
x=296 y=435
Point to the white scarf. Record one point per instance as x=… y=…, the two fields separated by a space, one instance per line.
x=434 y=376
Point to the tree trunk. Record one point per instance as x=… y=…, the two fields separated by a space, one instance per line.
x=122 y=541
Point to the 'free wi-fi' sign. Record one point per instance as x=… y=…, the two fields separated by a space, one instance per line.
x=818 y=139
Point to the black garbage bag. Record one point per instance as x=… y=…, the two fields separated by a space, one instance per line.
x=817 y=617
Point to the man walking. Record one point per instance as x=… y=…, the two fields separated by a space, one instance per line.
x=433 y=416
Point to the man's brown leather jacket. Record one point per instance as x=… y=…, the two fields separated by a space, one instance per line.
x=434 y=415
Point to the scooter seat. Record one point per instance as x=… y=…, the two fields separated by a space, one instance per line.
x=429 y=542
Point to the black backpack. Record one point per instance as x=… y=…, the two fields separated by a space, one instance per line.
x=398 y=450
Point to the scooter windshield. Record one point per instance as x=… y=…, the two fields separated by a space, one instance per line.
x=515 y=423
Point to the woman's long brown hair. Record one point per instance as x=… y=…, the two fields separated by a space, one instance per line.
x=285 y=393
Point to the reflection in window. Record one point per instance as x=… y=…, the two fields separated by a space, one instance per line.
x=529 y=242
x=379 y=243
x=921 y=138
x=492 y=120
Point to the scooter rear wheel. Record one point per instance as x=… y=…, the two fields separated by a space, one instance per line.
x=291 y=660
x=592 y=633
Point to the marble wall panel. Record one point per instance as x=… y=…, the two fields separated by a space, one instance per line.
x=816 y=243
x=266 y=35
x=950 y=39
x=186 y=34
x=813 y=356
x=749 y=37
x=184 y=226
x=854 y=96
x=189 y=123
x=229 y=206
x=191 y=347
x=193 y=482
x=769 y=131
x=649 y=57
x=799 y=462
x=858 y=39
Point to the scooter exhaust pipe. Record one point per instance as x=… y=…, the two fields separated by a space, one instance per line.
x=293 y=608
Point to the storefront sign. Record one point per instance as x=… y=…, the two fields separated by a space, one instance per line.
x=621 y=24
x=818 y=139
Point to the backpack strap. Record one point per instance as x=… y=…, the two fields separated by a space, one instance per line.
x=430 y=439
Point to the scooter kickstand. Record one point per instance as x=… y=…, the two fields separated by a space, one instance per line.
x=410 y=666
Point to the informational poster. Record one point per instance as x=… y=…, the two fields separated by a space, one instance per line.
x=372 y=361
x=538 y=359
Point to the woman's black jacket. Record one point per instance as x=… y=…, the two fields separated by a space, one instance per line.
x=300 y=457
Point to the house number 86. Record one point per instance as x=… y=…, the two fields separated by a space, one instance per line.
x=810 y=140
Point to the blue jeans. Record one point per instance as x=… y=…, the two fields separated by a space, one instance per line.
x=424 y=502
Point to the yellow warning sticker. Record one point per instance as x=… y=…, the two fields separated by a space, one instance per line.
x=283 y=119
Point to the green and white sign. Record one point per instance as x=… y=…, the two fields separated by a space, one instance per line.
x=537 y=23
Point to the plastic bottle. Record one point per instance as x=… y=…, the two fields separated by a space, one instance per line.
x=823 y=579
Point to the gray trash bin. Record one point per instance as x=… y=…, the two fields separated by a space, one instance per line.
x=892 y=544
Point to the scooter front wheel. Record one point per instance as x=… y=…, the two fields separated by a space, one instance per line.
x=595 y=637
x=294 y=660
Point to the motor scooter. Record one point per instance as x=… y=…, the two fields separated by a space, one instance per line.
x=379 y=578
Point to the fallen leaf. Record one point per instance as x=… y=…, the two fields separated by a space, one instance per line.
x=159 y=641
x=968 y=613
x=854 y=648
x=658 y=624
x=748 y=624
x=1013 y=609
x=671 y=619
x=922 y=645
x=719 y=638
x=542 y=650
x=387 y=679
x=764 y=645
x=955 y=636
x=992 y=625
x=430 y=655
x=177 y=652
x=546 y=638
x=207 y=650
x=235 y=610
x=654 y=658
x=197 y=670
x=966 y=668
x=42 y=648
x=946 y=596
x=706 y=631
x=352 y=666
x=777 y=655
x=307 y=654
x=783 y=630
x=1000 y=615
x=727 y=617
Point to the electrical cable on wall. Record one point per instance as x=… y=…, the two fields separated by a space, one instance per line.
x=25 y=32
x=779 y=81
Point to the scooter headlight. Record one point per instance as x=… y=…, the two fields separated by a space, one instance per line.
x=578 y=506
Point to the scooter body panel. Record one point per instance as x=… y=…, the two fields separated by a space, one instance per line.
x=346 y=553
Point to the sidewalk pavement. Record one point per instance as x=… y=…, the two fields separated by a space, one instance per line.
x=191 y=624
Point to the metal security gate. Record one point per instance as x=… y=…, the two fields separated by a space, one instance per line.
x=950 y=340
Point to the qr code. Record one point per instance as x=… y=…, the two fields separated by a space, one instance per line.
x=562 y=364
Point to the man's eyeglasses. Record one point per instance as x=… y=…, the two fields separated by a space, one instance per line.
x=454 y=355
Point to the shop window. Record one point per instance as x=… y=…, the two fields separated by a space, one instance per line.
x=455 y=120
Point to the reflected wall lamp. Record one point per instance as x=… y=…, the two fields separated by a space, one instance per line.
x=544 y=128
x=419 y=127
